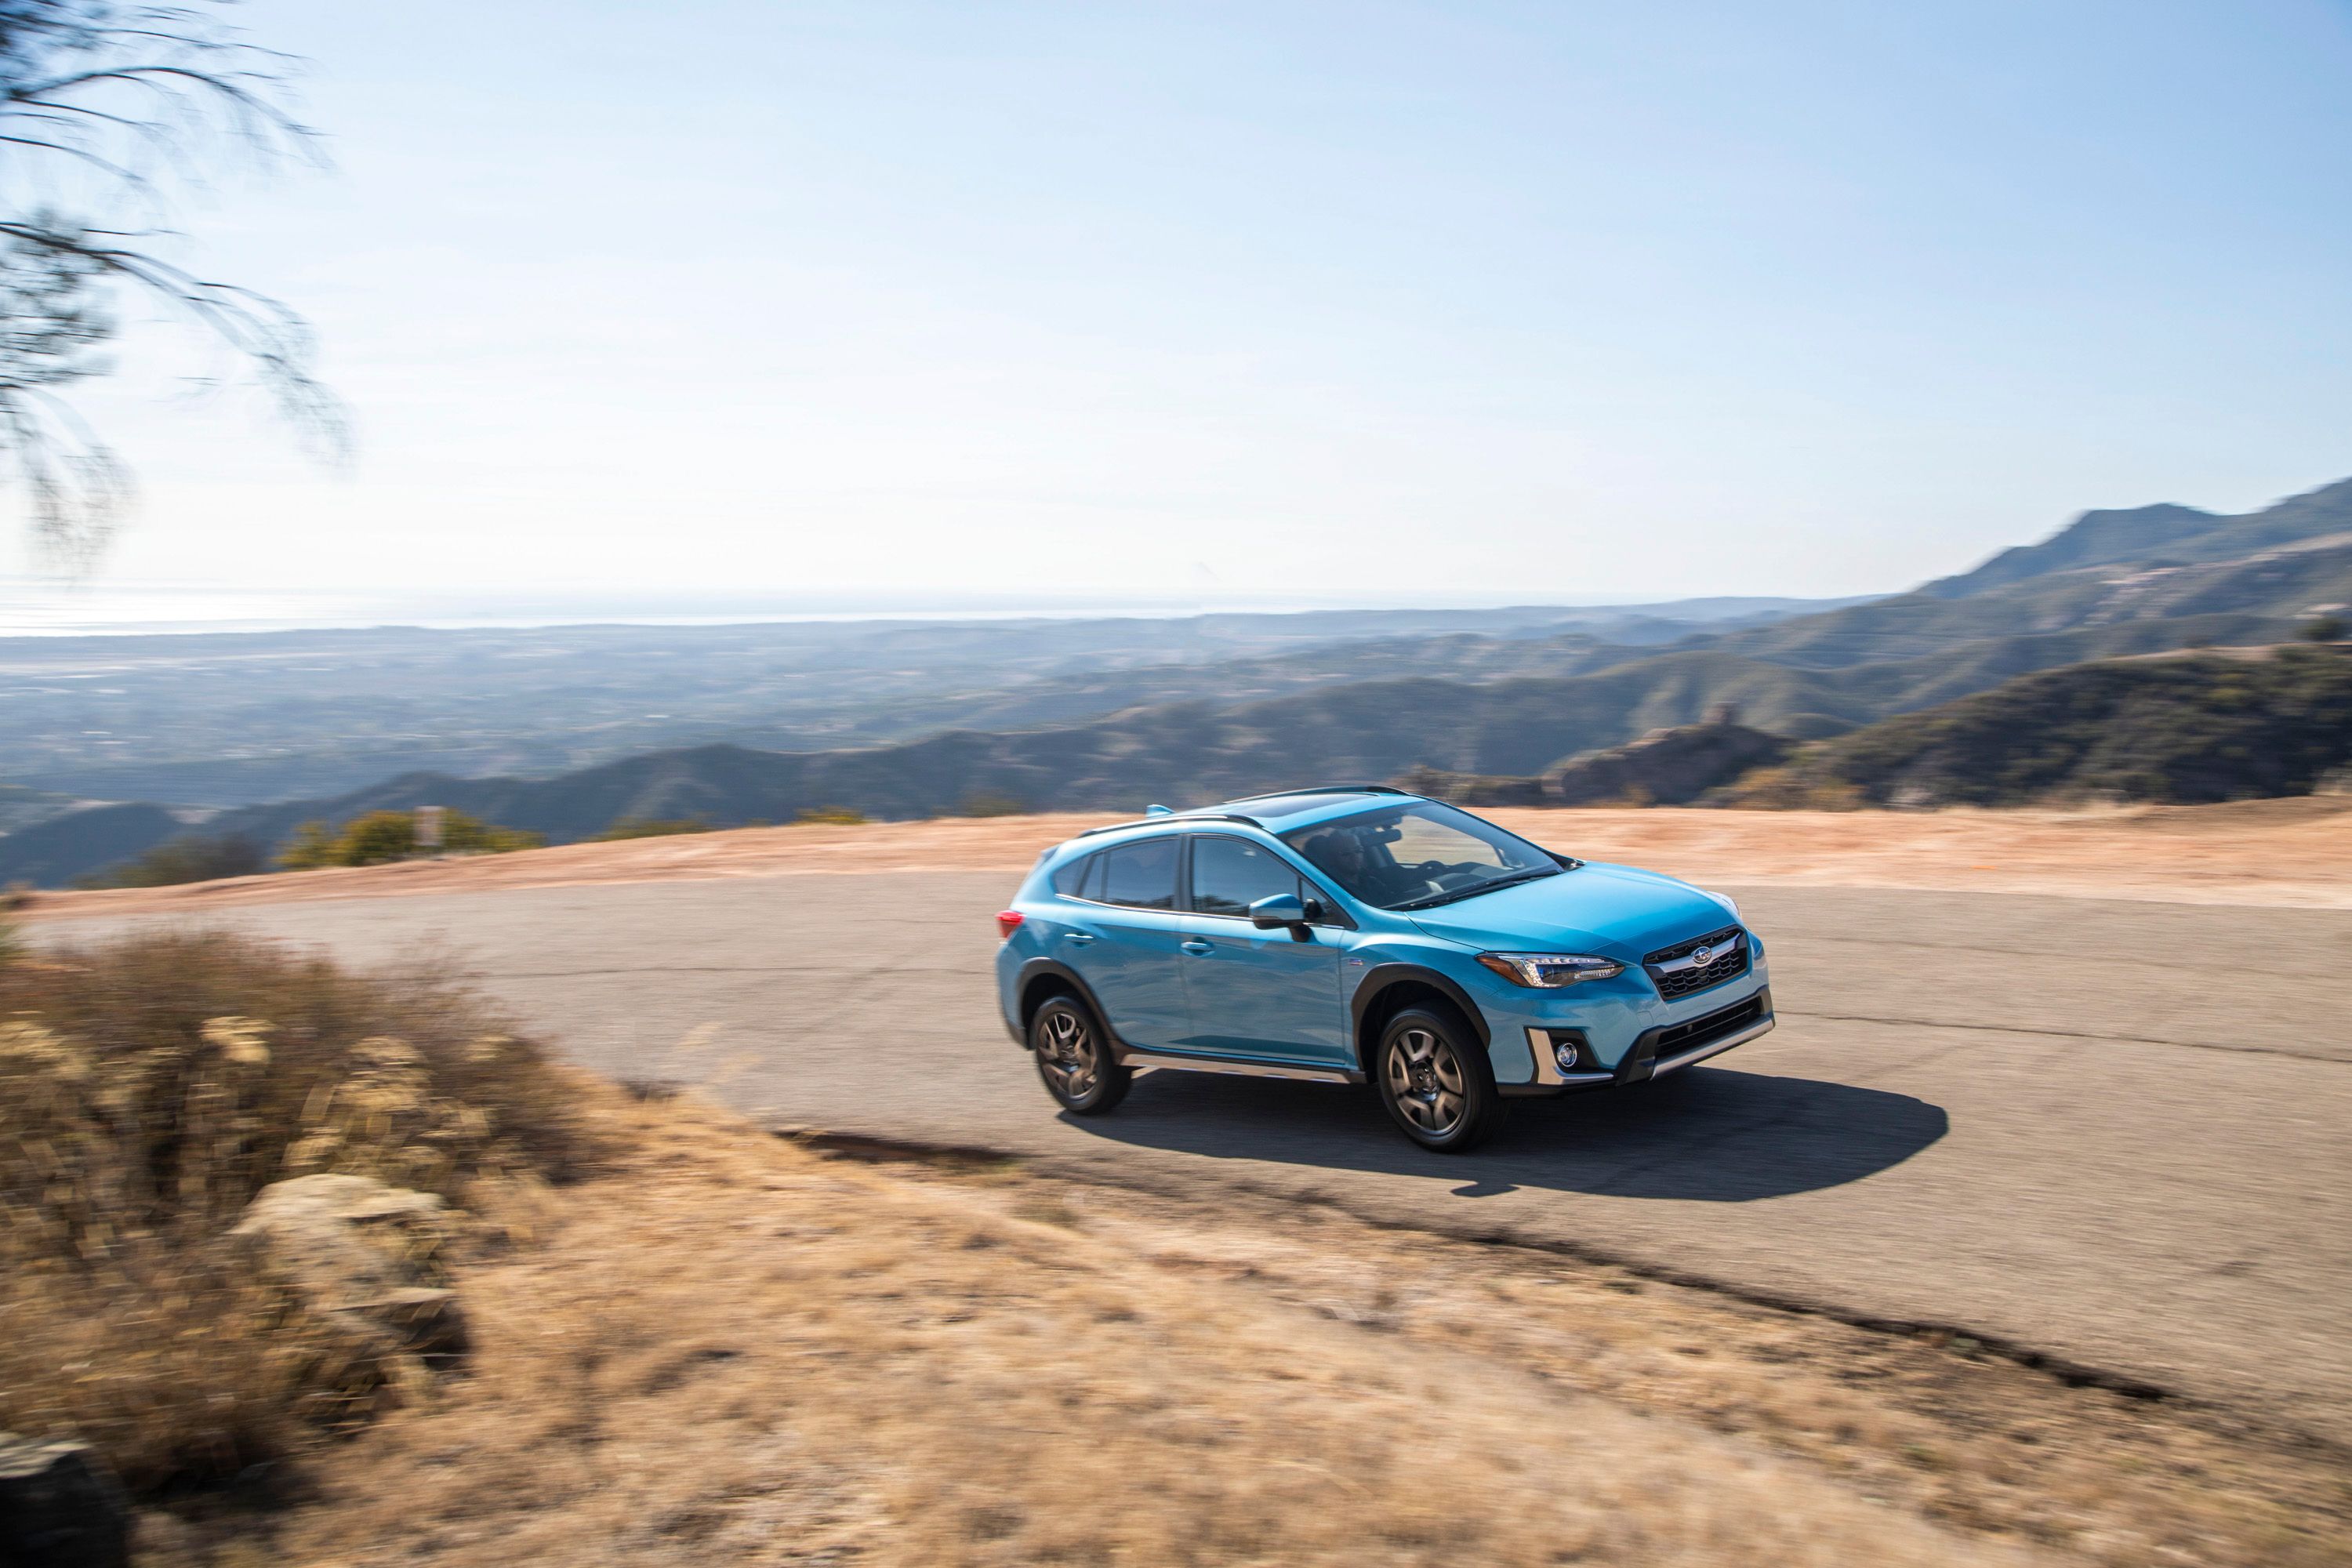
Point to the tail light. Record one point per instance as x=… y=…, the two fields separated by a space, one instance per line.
x=1007 y=923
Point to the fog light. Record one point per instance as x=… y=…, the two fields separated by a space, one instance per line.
x=1564 y=1052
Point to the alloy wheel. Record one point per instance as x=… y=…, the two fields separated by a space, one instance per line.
x=1426 y=1081
x=1067 y=1053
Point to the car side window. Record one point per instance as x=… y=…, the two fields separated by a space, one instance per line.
x=1141 y=875
x=1070 y=880
x=1229 y=875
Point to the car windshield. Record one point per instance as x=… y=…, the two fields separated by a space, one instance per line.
x=1410 y=857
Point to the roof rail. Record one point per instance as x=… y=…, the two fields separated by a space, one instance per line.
x=1327 y=789
x=1170 y=817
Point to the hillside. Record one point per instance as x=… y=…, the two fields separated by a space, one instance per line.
x=1183 y=753
x=234 y=719
x=52 y=853
x=912 y=721
x=2190 y=729
x=2170 y=534
x=1194 y=752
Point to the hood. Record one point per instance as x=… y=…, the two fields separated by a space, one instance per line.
x=1612 y=912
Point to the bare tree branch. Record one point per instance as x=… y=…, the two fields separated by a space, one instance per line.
x=138 y=100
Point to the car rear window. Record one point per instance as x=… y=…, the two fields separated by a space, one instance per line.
x=1141 y=875
x=1071 y=878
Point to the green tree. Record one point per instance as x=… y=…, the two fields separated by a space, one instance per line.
x=312 y=846
x=376 y=838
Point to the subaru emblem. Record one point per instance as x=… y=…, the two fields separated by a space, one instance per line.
x=1701 y=955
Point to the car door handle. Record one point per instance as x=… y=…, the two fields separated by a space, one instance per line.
x=1080 y=936
x=1197 y=945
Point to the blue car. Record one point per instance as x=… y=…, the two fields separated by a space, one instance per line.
x=1353 y=934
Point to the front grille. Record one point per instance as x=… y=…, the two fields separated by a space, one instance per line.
x=1677 y=982
x=1709 y=1027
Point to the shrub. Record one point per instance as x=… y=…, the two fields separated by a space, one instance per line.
x=2326 y=629
x=650 y=827
x=836 y=816
x=464 y=835
x=376 y=838
x=149 y=1089
x=990 y=803
x=193 y=859
x=384 y=835
x=312 y=846
x=1795 y=786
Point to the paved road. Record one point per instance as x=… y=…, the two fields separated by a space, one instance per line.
x=2114 y=1131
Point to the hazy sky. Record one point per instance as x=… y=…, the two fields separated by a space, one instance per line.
x=868 y=301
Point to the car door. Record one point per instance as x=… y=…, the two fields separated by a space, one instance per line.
x=1265 y=994
x=1123 y=930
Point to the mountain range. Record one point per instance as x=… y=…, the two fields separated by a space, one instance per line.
x=1377 y=696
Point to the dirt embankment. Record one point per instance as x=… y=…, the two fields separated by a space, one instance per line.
x=2292 y=852
x=725 y=1347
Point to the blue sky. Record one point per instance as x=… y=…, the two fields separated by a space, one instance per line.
x=832 y=304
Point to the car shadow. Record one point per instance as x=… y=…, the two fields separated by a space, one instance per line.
x=1705 y=1135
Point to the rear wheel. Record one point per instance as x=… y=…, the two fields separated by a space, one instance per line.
x=1434 y=1079
x=1074 y=1059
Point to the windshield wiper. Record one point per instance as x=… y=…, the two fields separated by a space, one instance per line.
x=1432 y=899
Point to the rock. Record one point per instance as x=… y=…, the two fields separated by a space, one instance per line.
x=60 y=1506
x=362 y=1253
x=1472 y=789
x=1664 y=767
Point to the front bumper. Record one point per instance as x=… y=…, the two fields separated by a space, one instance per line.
x=1665 y=1049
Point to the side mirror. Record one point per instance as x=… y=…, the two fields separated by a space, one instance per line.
x=1277 y=910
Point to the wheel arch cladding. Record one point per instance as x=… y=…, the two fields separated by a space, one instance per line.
x=1390 y=988
x=1042 y=979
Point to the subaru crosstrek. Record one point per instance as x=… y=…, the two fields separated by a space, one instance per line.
x=1348 y=933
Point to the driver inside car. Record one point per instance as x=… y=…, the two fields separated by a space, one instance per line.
x=1343 y=852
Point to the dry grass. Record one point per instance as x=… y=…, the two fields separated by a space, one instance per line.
x=148 y=1089
x=727 y=1349
x=712 y=1345
x=2291 y=851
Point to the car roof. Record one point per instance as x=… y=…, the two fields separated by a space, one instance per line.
x=1278 y=812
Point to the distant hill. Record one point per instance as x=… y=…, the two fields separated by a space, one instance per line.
x=1665 y=767
x=1193 y=752
x=918 y=719
x=21 y=807
x=2185 y=729
x=52 y=853
x=2170 y=534
x=231 y=719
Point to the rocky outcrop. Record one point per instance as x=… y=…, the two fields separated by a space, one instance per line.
x=1664 y=767
x=364 y=1255
x=59 y=1507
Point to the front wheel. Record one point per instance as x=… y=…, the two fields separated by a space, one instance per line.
x=1435 y=1081
x=1075 y=1060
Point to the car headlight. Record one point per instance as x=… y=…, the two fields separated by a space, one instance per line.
x=1551 y=970
x=1727 y=902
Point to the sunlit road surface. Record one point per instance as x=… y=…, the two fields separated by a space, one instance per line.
x=2119 y=1133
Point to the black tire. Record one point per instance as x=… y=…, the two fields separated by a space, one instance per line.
x=1074 y=1057
x=1433 y=1075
